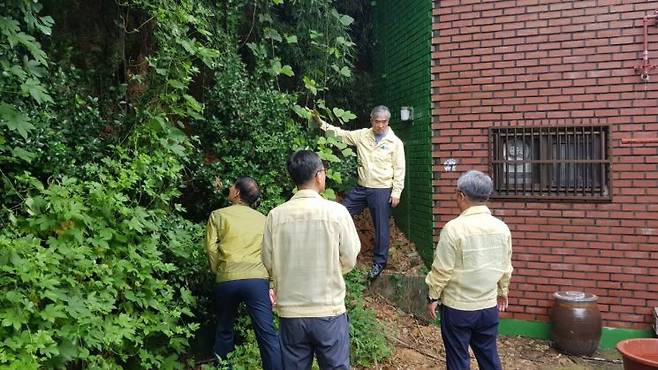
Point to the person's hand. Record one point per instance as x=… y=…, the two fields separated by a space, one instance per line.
x=394 y=201
x=502 y=303
x=315 y=118
x=272 y=297
x=218 y=183
x=431 y=309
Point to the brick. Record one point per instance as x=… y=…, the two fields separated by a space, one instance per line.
x=632 y=318
x=622 y=309
x=574 y=67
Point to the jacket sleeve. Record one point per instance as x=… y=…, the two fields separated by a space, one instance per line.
x=213 y=239
x=266 y=251
x=398 y=170
x=442 y=266
x=503 y=282
x=349 y=243
x=348 y=137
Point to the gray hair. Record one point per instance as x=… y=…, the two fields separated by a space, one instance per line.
x=477 y=186
x=380 y=109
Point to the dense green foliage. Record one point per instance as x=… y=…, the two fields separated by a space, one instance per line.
x=88 y=271
x=367 y=339
x=115 y=121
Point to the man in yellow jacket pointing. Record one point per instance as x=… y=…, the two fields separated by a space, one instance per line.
x=381 y=170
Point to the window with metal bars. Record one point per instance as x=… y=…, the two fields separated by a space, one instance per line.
x=570 y=163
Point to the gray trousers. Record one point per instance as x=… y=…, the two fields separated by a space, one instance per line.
x=325 y=337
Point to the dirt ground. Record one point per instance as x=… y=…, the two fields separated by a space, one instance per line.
x=402 y=255
x=418 y=345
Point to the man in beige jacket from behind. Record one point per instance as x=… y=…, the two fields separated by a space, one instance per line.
x=470 y=276
x=308 y=244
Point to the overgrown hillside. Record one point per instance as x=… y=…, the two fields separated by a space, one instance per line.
x=116 y=118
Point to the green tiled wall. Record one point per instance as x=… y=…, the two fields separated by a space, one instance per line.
x=402 y=77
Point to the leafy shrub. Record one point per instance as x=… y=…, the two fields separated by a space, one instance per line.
x=89 y=280
x=367 y=335
x=248 y=132
x=98 y=268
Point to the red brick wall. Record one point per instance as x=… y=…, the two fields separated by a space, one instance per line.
x=555 y=63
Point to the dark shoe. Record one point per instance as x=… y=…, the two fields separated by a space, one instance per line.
x=375 y=271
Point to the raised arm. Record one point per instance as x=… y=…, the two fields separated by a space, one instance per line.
x=348 y=137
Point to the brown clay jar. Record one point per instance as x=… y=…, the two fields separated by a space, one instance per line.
x=575 y=323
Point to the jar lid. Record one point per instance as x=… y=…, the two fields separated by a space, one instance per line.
x=575 y=296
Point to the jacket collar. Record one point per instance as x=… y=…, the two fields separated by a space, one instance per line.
x=239 y=205
x=474 y=210
x=390 y=135
x=306 y=193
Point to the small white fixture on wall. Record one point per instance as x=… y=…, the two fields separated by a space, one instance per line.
x=450 y=165
x=406 y=114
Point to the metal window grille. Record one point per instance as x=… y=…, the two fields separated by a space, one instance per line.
x=570 y=163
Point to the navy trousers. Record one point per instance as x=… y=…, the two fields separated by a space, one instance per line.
x=325 y=337
x=380 y=209
x=255 y=294
x=475 y=328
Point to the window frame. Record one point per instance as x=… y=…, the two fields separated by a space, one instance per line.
x=539 y=187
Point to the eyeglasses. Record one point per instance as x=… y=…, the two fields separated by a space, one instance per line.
x=321 y=170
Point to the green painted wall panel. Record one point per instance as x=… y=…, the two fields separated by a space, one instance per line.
x=542 y=330
x=402 y=77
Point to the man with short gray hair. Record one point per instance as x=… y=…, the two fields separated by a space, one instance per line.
x=309 y=243
x=470 y=276
x=381 y=170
